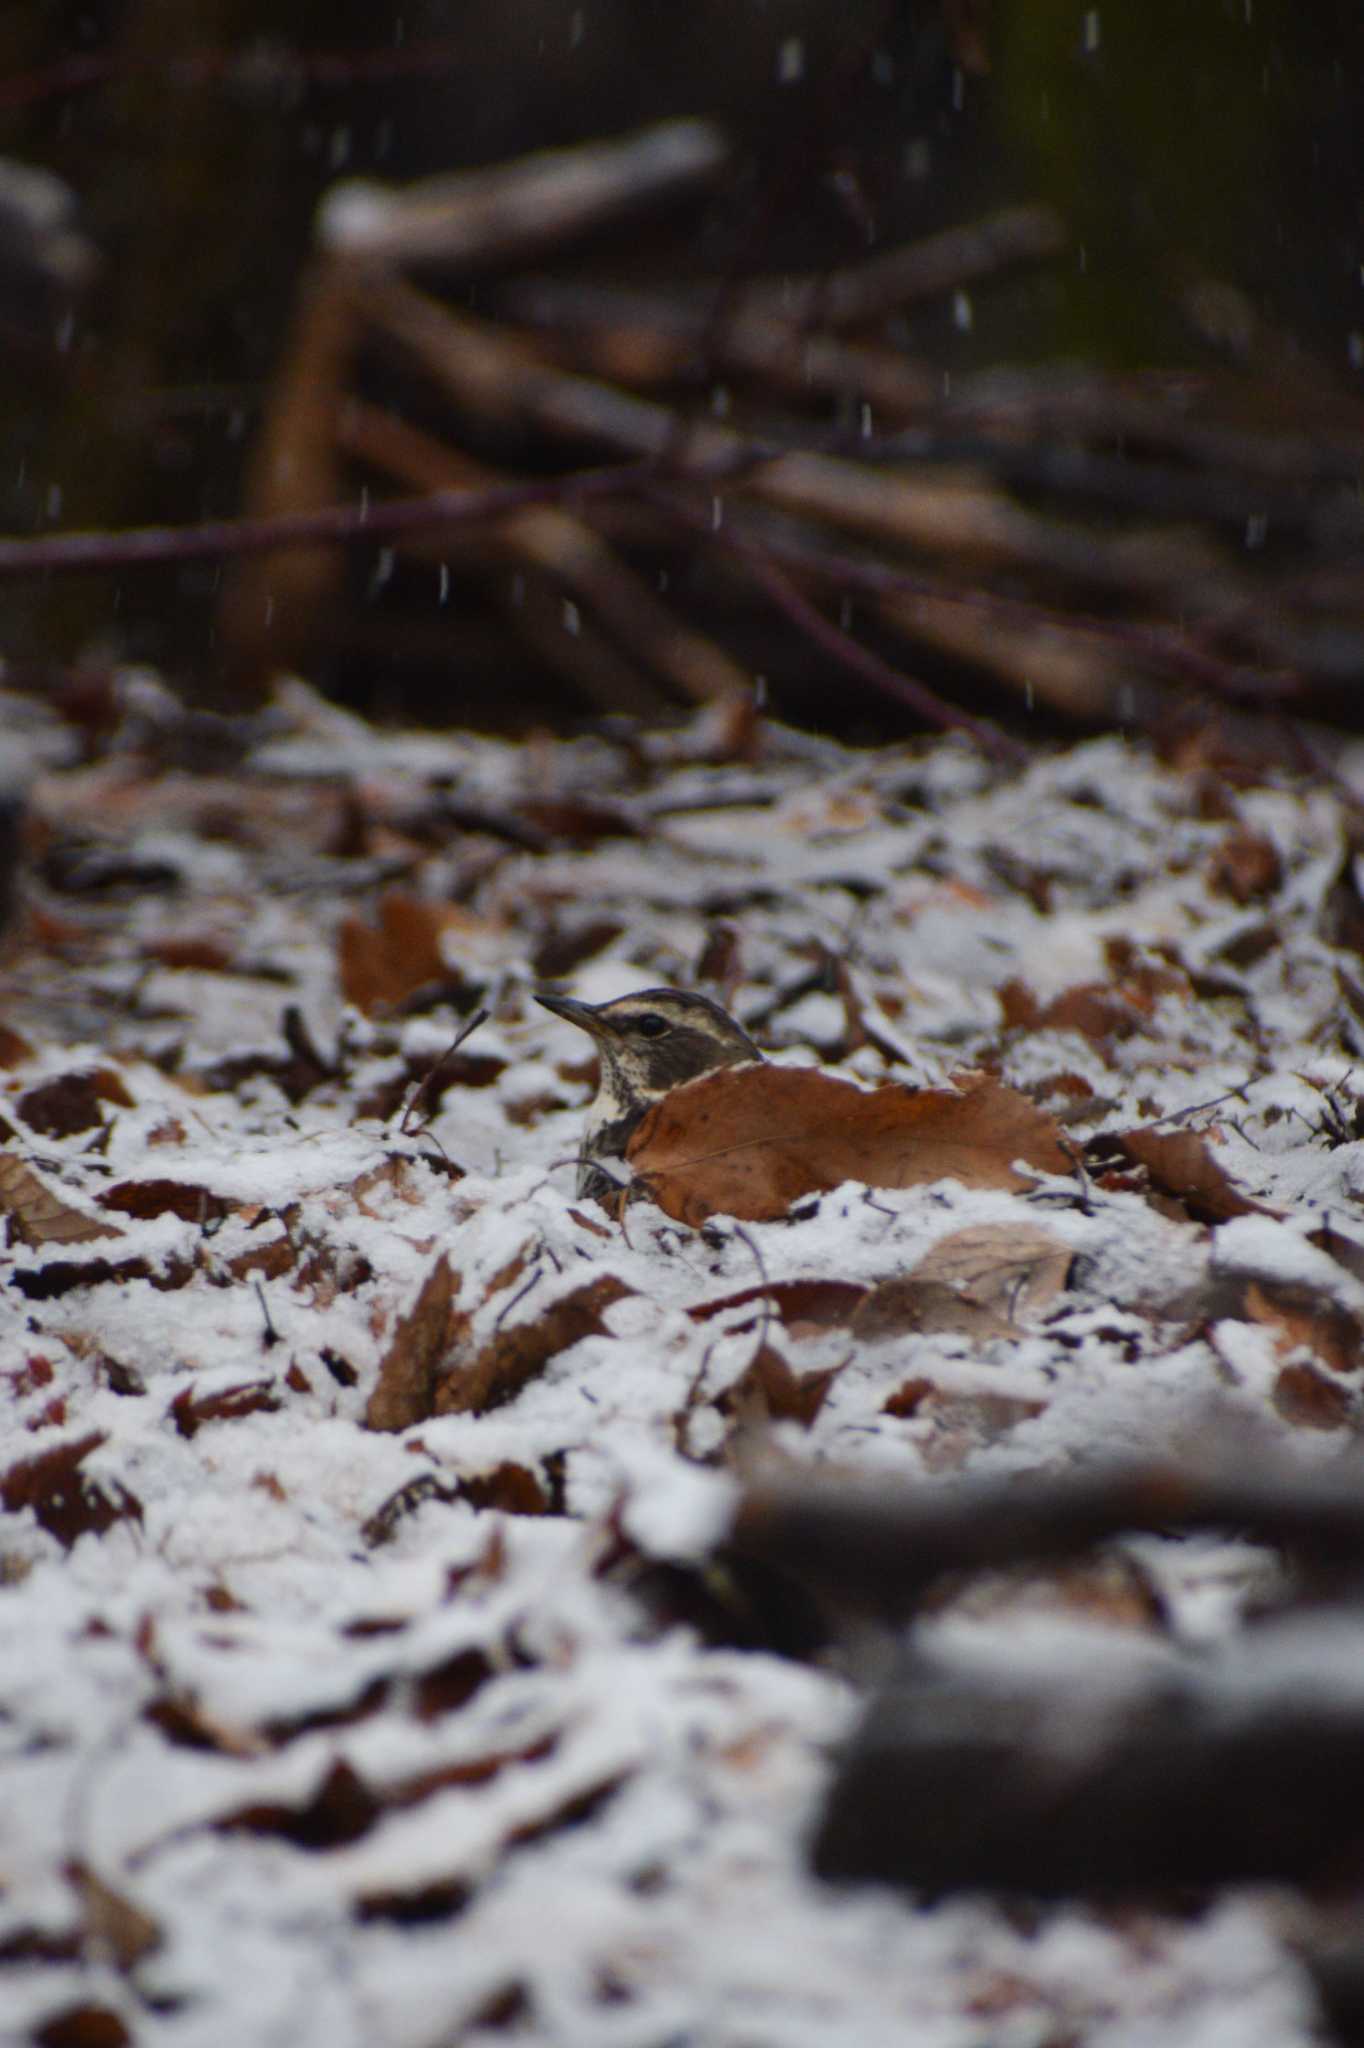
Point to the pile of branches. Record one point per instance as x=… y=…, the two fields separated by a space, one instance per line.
x=660 y=492
x=1106 y=546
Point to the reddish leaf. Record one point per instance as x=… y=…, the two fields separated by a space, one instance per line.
x=1180 y=1164
x=407 y=1373
x=82 y=2026
x=909 y=1398
x=185 y=950
x=749 y=1141
x=14 y=1048
x=380 y=967
x=148 y=1198
x=1309 y=1398
x=71 y=1102
x=512 y=1358
x=509 y=1488
x=1245 y=865
x=65 y=1502
x=1311 y=1322
x=191 y=1411
x=341 y=1809
x=829 y=1303
x=770 y=1389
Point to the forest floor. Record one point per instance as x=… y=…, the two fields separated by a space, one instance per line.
x=361 y=1675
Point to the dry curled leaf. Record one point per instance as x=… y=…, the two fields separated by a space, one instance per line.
x=190 y=1411
x=513 y=1357
x=825 y=1304
x=379 y=967
x=150 y=1198
x=1301 y=1320
x=70 y=1103
x=407 y=1372
x=38 y=1213
x=1180 y=1164
x=1309 y=1398
x=1245 y=865
x=770 y=1391
x=14 y=1047
x=749 y=1141
x=64 y=1501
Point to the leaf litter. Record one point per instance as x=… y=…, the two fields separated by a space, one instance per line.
x=362 y=1485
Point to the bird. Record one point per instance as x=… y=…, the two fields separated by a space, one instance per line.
x=648 y=1043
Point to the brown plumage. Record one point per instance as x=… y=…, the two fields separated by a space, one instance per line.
x=647 y=1043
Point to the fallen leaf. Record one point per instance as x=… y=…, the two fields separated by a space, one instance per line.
x=70 y=1103
x=1301 y=1319
x=149 y=1198
x=1098 y=1010
x=826 y=1303
x=38 y=1213
x=1093 y=1008
x=407 y=1373
x=749 y=1141
x=1305 y=1396
x=770 y=1391
x=187 y=950
x=978 y=1283
x=586 y=1223
x=382 y=1525
x=65 y=1502
x=510 y=1488
x=1245 y=865
x=14 y=1047
x=380 y=967
x=513 y=1357
x=82 y=2026
x=908 y=1399
x=340 y=1809
x=190 y=1411
x=1180 y=1164
x=112 y=1922
x=56 y=1277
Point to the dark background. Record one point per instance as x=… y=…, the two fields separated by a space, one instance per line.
x=1188 y=143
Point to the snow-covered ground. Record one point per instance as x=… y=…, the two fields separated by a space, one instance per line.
x=321 y=1732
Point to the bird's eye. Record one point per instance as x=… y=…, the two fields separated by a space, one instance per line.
x=651 y=1025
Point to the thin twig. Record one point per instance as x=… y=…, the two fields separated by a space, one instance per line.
x=67 y=553
x=426 y=1085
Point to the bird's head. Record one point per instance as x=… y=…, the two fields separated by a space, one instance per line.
x=652 y=1041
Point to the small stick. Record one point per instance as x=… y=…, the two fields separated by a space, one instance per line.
x=504 y=212
x=917 y=270
x=426 y=1085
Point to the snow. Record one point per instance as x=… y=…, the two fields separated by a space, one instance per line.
x=587 y=1820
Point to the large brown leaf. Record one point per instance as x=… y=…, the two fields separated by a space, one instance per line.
x=749 y=1141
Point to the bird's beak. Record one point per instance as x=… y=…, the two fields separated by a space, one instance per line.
x=573 y=1012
